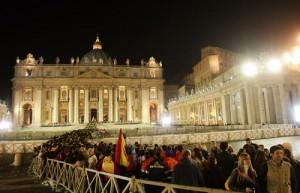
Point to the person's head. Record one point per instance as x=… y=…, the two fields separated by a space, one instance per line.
x=224 y=145
x=244 y=160
x=260 y=157
x=276 y=152
x=248 y=141
x=230 y=149
x=245 y=166
x=187 y=154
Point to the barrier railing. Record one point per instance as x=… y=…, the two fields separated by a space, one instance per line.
x=84 y=180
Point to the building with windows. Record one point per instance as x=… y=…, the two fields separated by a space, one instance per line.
x=228 y=91
x=93 y=87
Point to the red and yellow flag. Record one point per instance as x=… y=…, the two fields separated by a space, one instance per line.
x=121 y=157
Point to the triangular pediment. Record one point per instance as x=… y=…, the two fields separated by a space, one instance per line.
x=94 y=74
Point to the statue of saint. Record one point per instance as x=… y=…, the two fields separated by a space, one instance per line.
x=72 y=60
x=18 y=60
x=115 y=61
x=57 y=60
x=41 y=60
x=77 y=60
x=127 y=61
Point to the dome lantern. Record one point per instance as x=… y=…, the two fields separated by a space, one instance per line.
x=97 y=44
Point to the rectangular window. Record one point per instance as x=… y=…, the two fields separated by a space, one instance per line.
x=81 y=94
x=93 y=95
x=105 y=94
x=27 y=94
x=64 y=94
x=153 y=93
x=122 y=95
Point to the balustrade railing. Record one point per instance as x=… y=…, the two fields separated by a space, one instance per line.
x=84 y=180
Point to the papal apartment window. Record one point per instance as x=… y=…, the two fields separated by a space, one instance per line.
x=93 y=95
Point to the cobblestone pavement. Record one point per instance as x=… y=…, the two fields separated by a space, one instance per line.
x=17 y=180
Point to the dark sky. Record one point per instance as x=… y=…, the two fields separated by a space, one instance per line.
x=171 y=31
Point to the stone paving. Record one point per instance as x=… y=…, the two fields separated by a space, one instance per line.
x=17 y=180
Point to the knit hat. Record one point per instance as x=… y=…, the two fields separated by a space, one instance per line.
x=275 y=148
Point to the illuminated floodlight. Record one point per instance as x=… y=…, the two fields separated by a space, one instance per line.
x=274 y=65
x=166 y=121
x=296 y=55
x=286 y=57
x=249 y=69
x=5 y=125
x=297 y=113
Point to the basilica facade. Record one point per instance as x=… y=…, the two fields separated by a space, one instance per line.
x=228 y=91
x=93 y=87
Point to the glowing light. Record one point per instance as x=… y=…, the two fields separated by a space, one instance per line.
x=296 y=55
x=286 y=57
x=297 y=113
x=274 y=65
x=5 y=125
x=249 y=69
x=166 y=121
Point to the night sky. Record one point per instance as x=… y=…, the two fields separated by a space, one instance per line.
x=171 y=31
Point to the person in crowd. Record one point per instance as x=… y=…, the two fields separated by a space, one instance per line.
x=170 y=161
x=79 y=161
x=277 y=175
x=187 y=173
x=249 y=142
x=231 y=152
x=295 y=164
x=225 y=160
x=92 y=160
x=212 y=173
x=198 y=158
x=243 y=177
x=260 y=159
x=178 y=154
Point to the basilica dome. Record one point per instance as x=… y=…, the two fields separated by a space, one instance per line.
x=96 y=56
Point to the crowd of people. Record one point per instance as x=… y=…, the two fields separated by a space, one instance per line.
x=253 y=168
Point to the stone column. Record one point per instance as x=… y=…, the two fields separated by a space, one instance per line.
x=145 y=105
x=100 y=106
x=37 y=106
x=206 y=113
x=214 y=109
x=250 y=105
x=116 y=106
x=298 y=94
x=261 y=103
x=129 y=104
x=55 y=106
x=160 y=104
x=86 y=106
x=225 y=109
x=277 y=105
x=243 y=107
x=284 y=104
x=110 y=105
x=76 y=106
x=17 y=113
x=70 y=113
x=233 y=109
x=266 y=101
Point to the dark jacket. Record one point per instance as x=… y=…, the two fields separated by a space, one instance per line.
x=225 y=162
x=187 y=173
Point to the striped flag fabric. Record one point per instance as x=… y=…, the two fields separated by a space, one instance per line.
x=121 y=157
